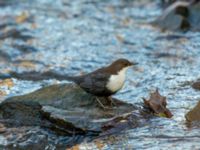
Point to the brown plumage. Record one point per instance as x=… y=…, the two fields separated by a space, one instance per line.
x=97 y=81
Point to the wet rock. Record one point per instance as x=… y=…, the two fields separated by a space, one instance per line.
x=194 y=114
x=63 y=107
x=15 y=34
x=180 y=16
x=24 y=48
x=119 y=123
x=6 y=24
x=173 y=37
x=165 y=55
x=158 y=104
x=196 y=85
x=18 y=118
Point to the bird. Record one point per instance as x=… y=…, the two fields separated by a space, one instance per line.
x=105 y=81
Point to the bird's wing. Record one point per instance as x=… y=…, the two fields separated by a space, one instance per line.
x=95 y=82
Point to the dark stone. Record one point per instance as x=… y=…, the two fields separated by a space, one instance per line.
x=182 y=10
x=181 y=16
x=172 y=37
x=23 y=113
x=15 y=34
x=62 y=107
x=6 y=24
x=196 y=85
x=194 y=114
x=62 y=112
x=120 y=123
x=24 y=48
x=185 y=25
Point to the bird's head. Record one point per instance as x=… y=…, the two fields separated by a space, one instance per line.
x=121 y=64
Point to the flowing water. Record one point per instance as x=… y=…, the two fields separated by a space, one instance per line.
x=74 y=37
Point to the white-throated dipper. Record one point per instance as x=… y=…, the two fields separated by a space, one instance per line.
x=105 y=81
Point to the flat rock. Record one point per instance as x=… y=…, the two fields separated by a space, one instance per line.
x=64 y=107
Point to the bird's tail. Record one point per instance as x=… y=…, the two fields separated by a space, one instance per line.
x=75 y=79
x=62 y=77
x=50 y=75
x=70 y=78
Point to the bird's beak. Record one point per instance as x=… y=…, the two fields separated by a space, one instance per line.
x=133 y=63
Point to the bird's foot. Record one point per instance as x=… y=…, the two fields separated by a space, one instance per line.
x=112 y=103
x=102 y=106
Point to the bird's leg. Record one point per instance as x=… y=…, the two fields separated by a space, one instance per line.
x=100 y=103
x=112 y=103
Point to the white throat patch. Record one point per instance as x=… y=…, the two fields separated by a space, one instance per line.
x=116 y=82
